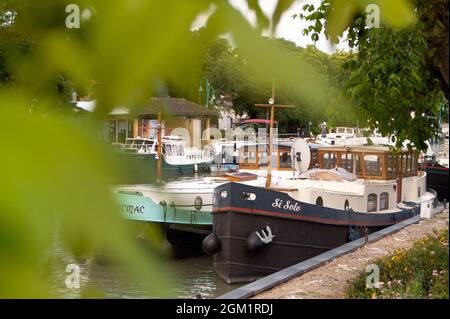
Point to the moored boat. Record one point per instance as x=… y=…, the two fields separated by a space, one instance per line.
x=183 y=208
x=437 y=177
x=141 y=156
x=354 y=192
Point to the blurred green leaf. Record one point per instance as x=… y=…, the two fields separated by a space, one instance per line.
x=282 y=6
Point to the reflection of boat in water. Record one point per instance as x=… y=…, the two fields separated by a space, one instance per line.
x=258 y=231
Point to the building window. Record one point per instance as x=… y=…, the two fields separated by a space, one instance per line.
x=346 y=205
x=384 y=201
x=372 y=203
x=319 y=201
x=122 y=131
x=112 y=131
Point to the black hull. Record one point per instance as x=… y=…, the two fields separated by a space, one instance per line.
x=186 y=241
x=243 y=257
x=438 y=181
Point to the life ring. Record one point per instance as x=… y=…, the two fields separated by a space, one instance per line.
x=393 y=139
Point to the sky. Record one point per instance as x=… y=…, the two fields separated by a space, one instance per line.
x=288 y=28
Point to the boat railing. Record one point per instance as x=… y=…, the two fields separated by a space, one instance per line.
x=131 y=148
x=259 y=138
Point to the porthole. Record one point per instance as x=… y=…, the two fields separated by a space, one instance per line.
x=319 y=201
x=198 y=203
x=346 y=205
x=248 y=196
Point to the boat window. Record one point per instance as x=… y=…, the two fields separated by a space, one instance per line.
x=372 y=165
x=384 y=201
x=248 y=196
x=314 y=158
x=175 y=150
x=409 y=165
x=346 y=205
x=356 y=165
x=249 y=156
x=419 y=192
x=332 y=130
x=372 y=203
x=350 y=130
x=180 y=150
x=319 y=201
x=285 y=159
x=274 y=159
x=341 y=130
x=168 y=150
x=262 y=158
x=403 y=163
x=414 y=166
x=329 y=160
x=347 y=162
x=390 y=164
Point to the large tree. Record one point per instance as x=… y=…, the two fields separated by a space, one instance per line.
x=397 y=78
x=229 y=75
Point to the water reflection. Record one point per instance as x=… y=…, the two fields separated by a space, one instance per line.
x=191 y=278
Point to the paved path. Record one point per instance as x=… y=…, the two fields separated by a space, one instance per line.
x=330 y=280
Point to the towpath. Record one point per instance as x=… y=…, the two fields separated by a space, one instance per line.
x=330 y=280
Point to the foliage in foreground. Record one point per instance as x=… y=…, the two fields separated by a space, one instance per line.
x=421 y=272
x=55 y=175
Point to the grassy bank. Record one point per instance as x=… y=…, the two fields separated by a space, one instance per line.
x=420 y=272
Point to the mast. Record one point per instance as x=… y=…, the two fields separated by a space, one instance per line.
x=272 y=107
x=159 y=149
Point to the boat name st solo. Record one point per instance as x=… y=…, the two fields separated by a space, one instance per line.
x=278 y=203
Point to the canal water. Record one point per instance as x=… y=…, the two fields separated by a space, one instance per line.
x=191 y=278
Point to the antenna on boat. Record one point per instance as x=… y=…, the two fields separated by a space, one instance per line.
x=301 y=155
x=272 y=106
x=159 y=150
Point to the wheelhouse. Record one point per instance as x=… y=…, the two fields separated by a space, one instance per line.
x=370 y=162
x=254 y=156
